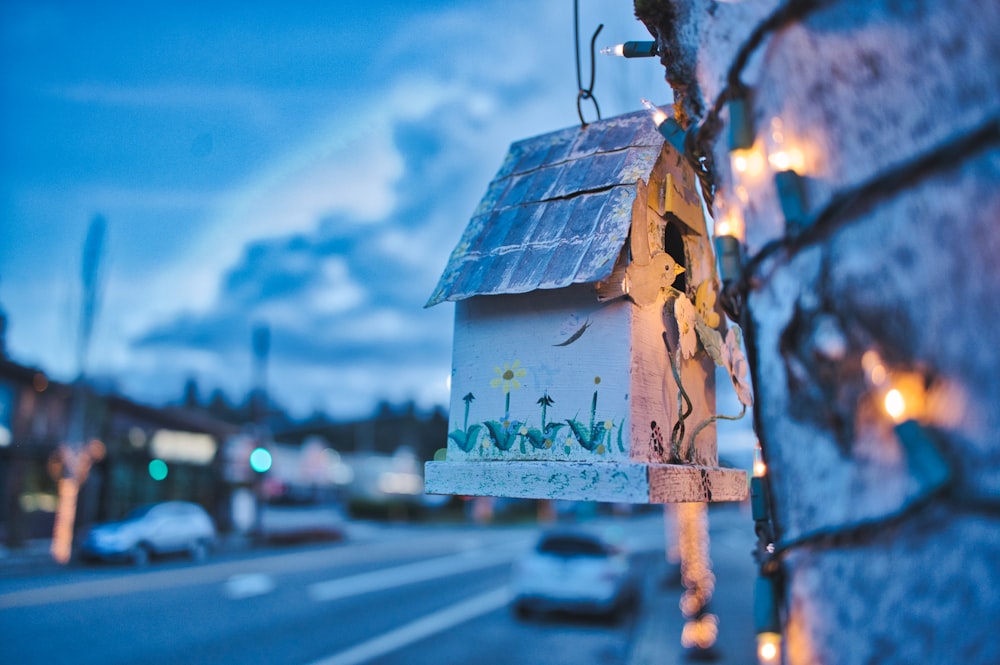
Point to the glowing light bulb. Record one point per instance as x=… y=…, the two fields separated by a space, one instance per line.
x=895 y=404
x=759 y=467
x=748 y=163
x=728 y=239
x=729 y=221
x=905 y=396
x=786 y=155
x=659 y=117
x=632 y=50
x=669 y=128
x=769 y=648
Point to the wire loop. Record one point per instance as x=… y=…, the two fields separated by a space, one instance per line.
x=582 y=95
x=588 y=92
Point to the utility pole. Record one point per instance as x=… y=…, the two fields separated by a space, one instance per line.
x=75 y=455
x=261 y=351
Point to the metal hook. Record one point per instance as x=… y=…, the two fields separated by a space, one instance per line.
x=585 y=93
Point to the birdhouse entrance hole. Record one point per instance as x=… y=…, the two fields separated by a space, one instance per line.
x=673 y=244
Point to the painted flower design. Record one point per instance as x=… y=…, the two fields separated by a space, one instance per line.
x=543 y=438
x=504 y=433
x=704 y=303
x=509 y=377
x=686 y=315
x=736 y=365
x=466 y=437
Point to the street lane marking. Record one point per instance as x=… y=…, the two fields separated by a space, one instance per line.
x=422 y=571
x=238 y=587
x=420 y=629
x=219 y=572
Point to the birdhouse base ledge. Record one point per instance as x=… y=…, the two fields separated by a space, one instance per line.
x=615 y=482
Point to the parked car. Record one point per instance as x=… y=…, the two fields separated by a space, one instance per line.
x=292 y=523
x=575 y=571
x=153 y=530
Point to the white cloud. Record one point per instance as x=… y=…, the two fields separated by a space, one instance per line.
x=336 y=292
x=352 y=167
x=376 y=325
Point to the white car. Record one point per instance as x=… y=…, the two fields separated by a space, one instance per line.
x=574 y=571
x=291 y=523
x=151 y=530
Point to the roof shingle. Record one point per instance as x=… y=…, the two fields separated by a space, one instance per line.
x=557 y=212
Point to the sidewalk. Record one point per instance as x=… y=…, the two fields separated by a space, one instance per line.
x=32 y=559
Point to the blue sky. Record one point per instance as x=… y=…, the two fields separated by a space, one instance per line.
x=309 y=165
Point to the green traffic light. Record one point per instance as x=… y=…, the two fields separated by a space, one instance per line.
x=260 y=460
x=157 y=469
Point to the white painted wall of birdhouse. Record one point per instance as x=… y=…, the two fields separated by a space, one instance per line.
x=560 y=343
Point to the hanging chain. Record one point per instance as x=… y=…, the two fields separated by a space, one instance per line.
x=588 y=92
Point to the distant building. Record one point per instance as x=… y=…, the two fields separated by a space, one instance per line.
x=149 y=454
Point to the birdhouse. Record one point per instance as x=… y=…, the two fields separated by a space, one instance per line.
x=579 y=283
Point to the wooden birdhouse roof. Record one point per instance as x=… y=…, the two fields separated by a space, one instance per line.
x=557 y=213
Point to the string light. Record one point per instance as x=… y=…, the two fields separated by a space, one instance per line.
x=895 y=404
x=666 y=125
x=759 y=498
x=902 y=398
x=632 y=50
x=746 y=154
x=905 y=395
x=729 y=222
x=785 y=155
x=768 y=648
x=747 y=164
x=659 y=115
x=788 y=161
x=905 y=402
x=767 y=621
x=729 y=236
x=759 y=467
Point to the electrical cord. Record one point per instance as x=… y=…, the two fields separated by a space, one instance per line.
x=699 y=141
x=843 y=205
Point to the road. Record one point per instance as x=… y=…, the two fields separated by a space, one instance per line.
x=393 y=595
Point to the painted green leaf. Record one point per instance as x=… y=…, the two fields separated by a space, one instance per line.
x=589 y=437
x=466 y=441
x=537 y=437
x=552 y=429
x=501 y=436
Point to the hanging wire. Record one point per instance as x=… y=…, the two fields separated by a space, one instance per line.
x=588 y=92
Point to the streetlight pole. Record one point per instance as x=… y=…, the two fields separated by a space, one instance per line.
x=75 y=457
